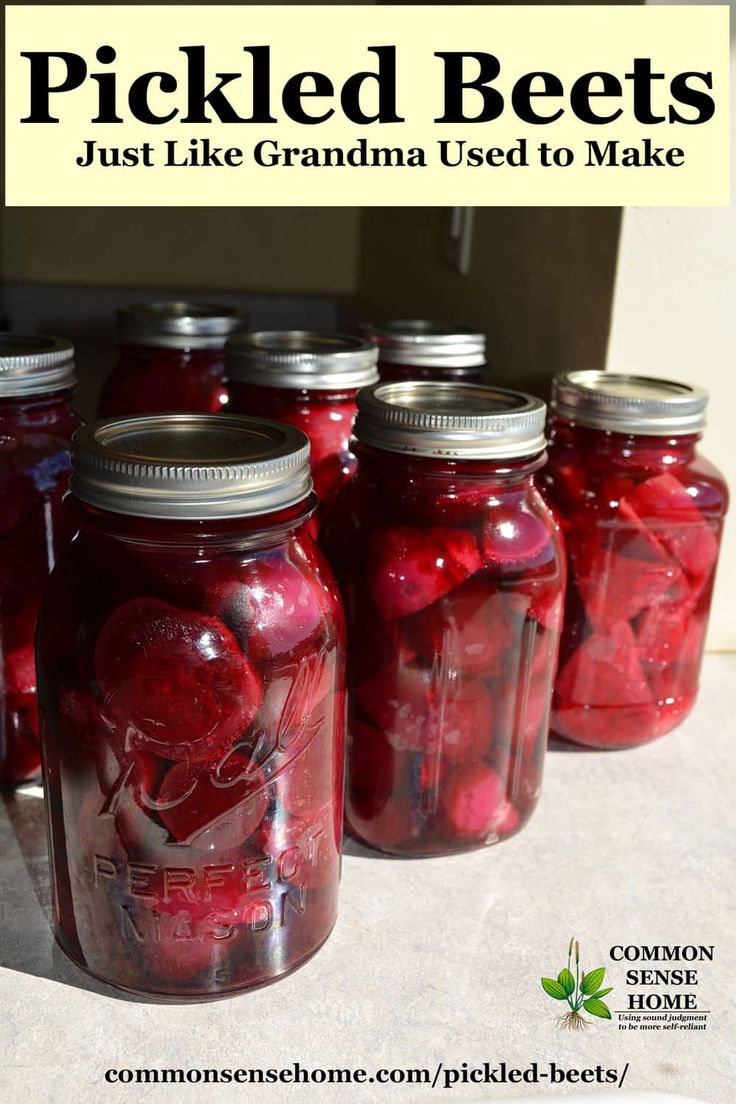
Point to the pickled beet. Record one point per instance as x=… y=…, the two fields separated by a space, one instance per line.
x=453 y=634
x=204 y=744
x=409 y=568
x=176 y=681
x=477 y=804
x=604 y=670
x=642 y=518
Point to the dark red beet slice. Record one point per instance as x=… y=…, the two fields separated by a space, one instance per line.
x=370 y=776
x=281 y=608
x=664 y=505
x=409 y=568
x=515 y=539
x=213 y=808
x=20 y=672
x=605 y=671
x=175 y=681
x=421 y=710
x=477 y=805
x=469 y=630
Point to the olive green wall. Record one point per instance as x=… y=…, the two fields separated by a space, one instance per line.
x=540 y=282
x=227 y=249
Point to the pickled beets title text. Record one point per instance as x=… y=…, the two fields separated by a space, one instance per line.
x=473 y=88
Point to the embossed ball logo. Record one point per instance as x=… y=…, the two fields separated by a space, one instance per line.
x=580 y=990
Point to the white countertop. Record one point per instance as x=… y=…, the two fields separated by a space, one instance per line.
x=432 y=960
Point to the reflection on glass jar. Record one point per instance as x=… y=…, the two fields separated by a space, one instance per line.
x=451 y=569
x=191 y=687
x=309 y=380
x=36 y=424
x=642 y=513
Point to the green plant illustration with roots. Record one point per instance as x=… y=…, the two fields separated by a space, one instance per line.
x=581 y=991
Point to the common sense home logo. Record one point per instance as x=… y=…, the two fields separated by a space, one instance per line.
x=581 y=991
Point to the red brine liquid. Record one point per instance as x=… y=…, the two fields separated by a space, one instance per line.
x=642 y=518
x=151 y=380
x=326 y=417
x=309 y=380
x=193 y=711
x=35 y=459
x=452 y=576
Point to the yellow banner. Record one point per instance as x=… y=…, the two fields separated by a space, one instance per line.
x=149 y=105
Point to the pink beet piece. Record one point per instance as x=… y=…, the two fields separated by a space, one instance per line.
x=664 y=505
x=605 y=671
x=477 y=803
x=421 y=711
x=660 y=633
x=175 y=682
x=409 y=568
x=20 y=672
x=470 y=630
x=620 y=572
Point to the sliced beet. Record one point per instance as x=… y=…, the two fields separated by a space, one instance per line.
x=620 y=572
x=605 y=671
x=175 y=681
x=665 y=506
x=471 y=629
x=605 y=727
x=421 y=710
x=409 y=568
x=477 y=805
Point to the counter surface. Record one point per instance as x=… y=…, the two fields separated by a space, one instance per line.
x=434 y=960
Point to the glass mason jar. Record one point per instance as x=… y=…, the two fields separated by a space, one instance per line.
x=172 y=357
x=36 y=424
x=641 y=512
x=309 y=380
x=192 y=705
x=452 y=573
x=411 y=349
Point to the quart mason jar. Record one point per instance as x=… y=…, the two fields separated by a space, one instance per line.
x=36 y=424
x=309 y=380
x=451 y=569
x=410 y=349
x=642 y=513
x=172 y=357
x=192 y=702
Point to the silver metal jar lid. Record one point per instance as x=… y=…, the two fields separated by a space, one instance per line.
x=34 y=364
x=301 y=360
x=190 y=466
x=463 y=420
x=178 y=324
x=427 y=344
x=629 y=404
